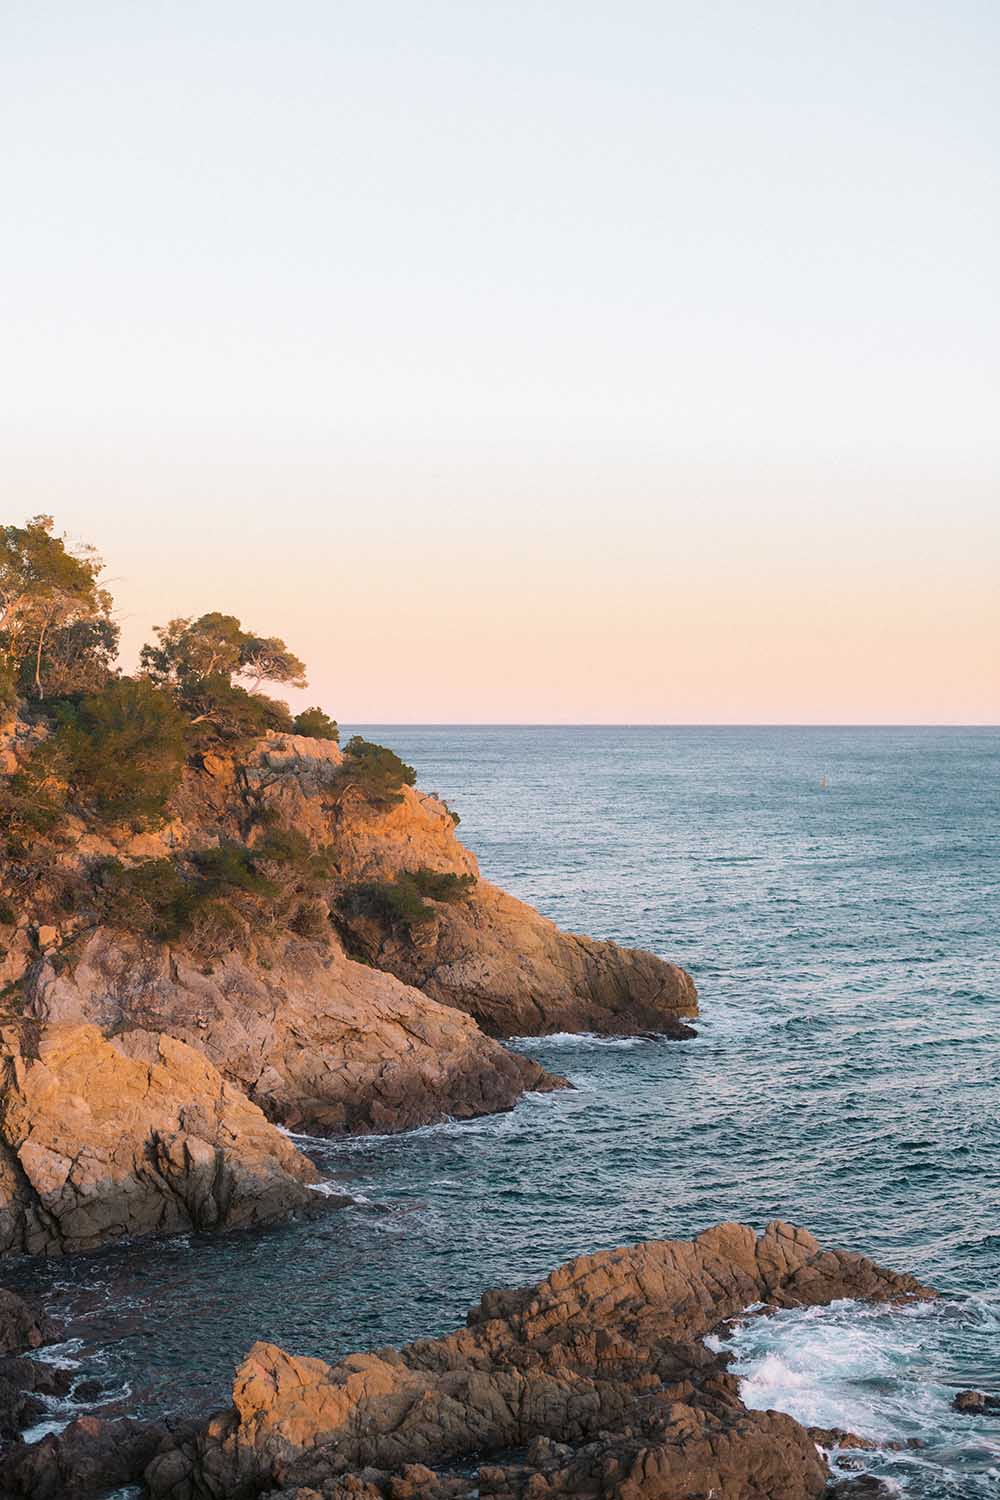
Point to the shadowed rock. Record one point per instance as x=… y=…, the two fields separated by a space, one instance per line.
x=22 y=1380
x=87 y=1458
x=321 y=1043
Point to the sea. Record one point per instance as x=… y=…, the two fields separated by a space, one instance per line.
x=836 y=895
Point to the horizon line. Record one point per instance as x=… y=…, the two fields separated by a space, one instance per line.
x=663 y=724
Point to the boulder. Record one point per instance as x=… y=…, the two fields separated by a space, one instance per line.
x=140 y=1134
x=22 y=1381
x=89 y=1457
x=975 y=1403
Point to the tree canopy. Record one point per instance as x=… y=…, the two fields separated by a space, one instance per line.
x=201 y=662
x=376 y=771
x=56 y=632
x=117 y=742
x=216 y=645
x=316 y=724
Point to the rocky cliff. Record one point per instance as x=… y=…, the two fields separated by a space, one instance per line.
x=320 y=1042
x=350 y=1013
x=595 y=1384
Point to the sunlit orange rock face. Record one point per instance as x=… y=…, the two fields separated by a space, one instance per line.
x=100 y=1139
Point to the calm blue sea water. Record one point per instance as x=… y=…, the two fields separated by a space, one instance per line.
x=836 y=895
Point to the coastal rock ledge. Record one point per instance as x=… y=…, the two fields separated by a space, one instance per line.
x=596 y=1384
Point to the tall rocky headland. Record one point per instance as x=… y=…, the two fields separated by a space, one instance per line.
x=215 y=921
x=351 y=971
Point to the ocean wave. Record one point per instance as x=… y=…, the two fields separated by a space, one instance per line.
x=60 y=1355
x=583 y=1039
x=886 y=1373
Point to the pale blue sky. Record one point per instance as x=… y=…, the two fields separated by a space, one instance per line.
x=315 y=311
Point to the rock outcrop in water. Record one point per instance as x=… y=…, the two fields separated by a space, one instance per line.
x=490 y=955
x=141 y=1134
x=595 y=1384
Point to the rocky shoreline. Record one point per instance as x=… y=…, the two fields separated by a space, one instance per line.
x=596 y=1383
x=351 y=973
x=141 y=1079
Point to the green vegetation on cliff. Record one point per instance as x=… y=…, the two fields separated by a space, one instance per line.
x=376 y=771
x=220 y=896
x=401 y=902
x=317 y=725
x=93 y=754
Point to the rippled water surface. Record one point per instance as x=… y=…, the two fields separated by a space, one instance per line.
x=835 y=894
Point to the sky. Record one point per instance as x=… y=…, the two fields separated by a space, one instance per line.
x=550 y=362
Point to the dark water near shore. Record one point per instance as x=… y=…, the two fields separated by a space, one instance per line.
x=846 y=943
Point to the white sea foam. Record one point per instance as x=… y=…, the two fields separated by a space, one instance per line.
x=42 y=1429
x=338 y=1190
x=581 y=1038
x=879 y=1371
x=63 y=1409
x=60 y=1355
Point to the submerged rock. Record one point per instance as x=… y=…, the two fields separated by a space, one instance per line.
x=975 y=1403
x=139 y=1134
x=595 y=1383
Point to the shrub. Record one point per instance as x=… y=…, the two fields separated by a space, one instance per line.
x=217 y=928
x=220 y=710
x=231 y=867
x=220 y=895
x=376 y=770
x=121 y=749
x=316 y=724
x=8 y=916
x=284 y=846
x=310 y=920
x=400 y=902
x=294 y=856
x=390 y=903
x=31 y=805
x=441 y=885
x=151 y=898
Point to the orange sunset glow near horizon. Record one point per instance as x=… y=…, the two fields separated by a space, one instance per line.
x=571 y=365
